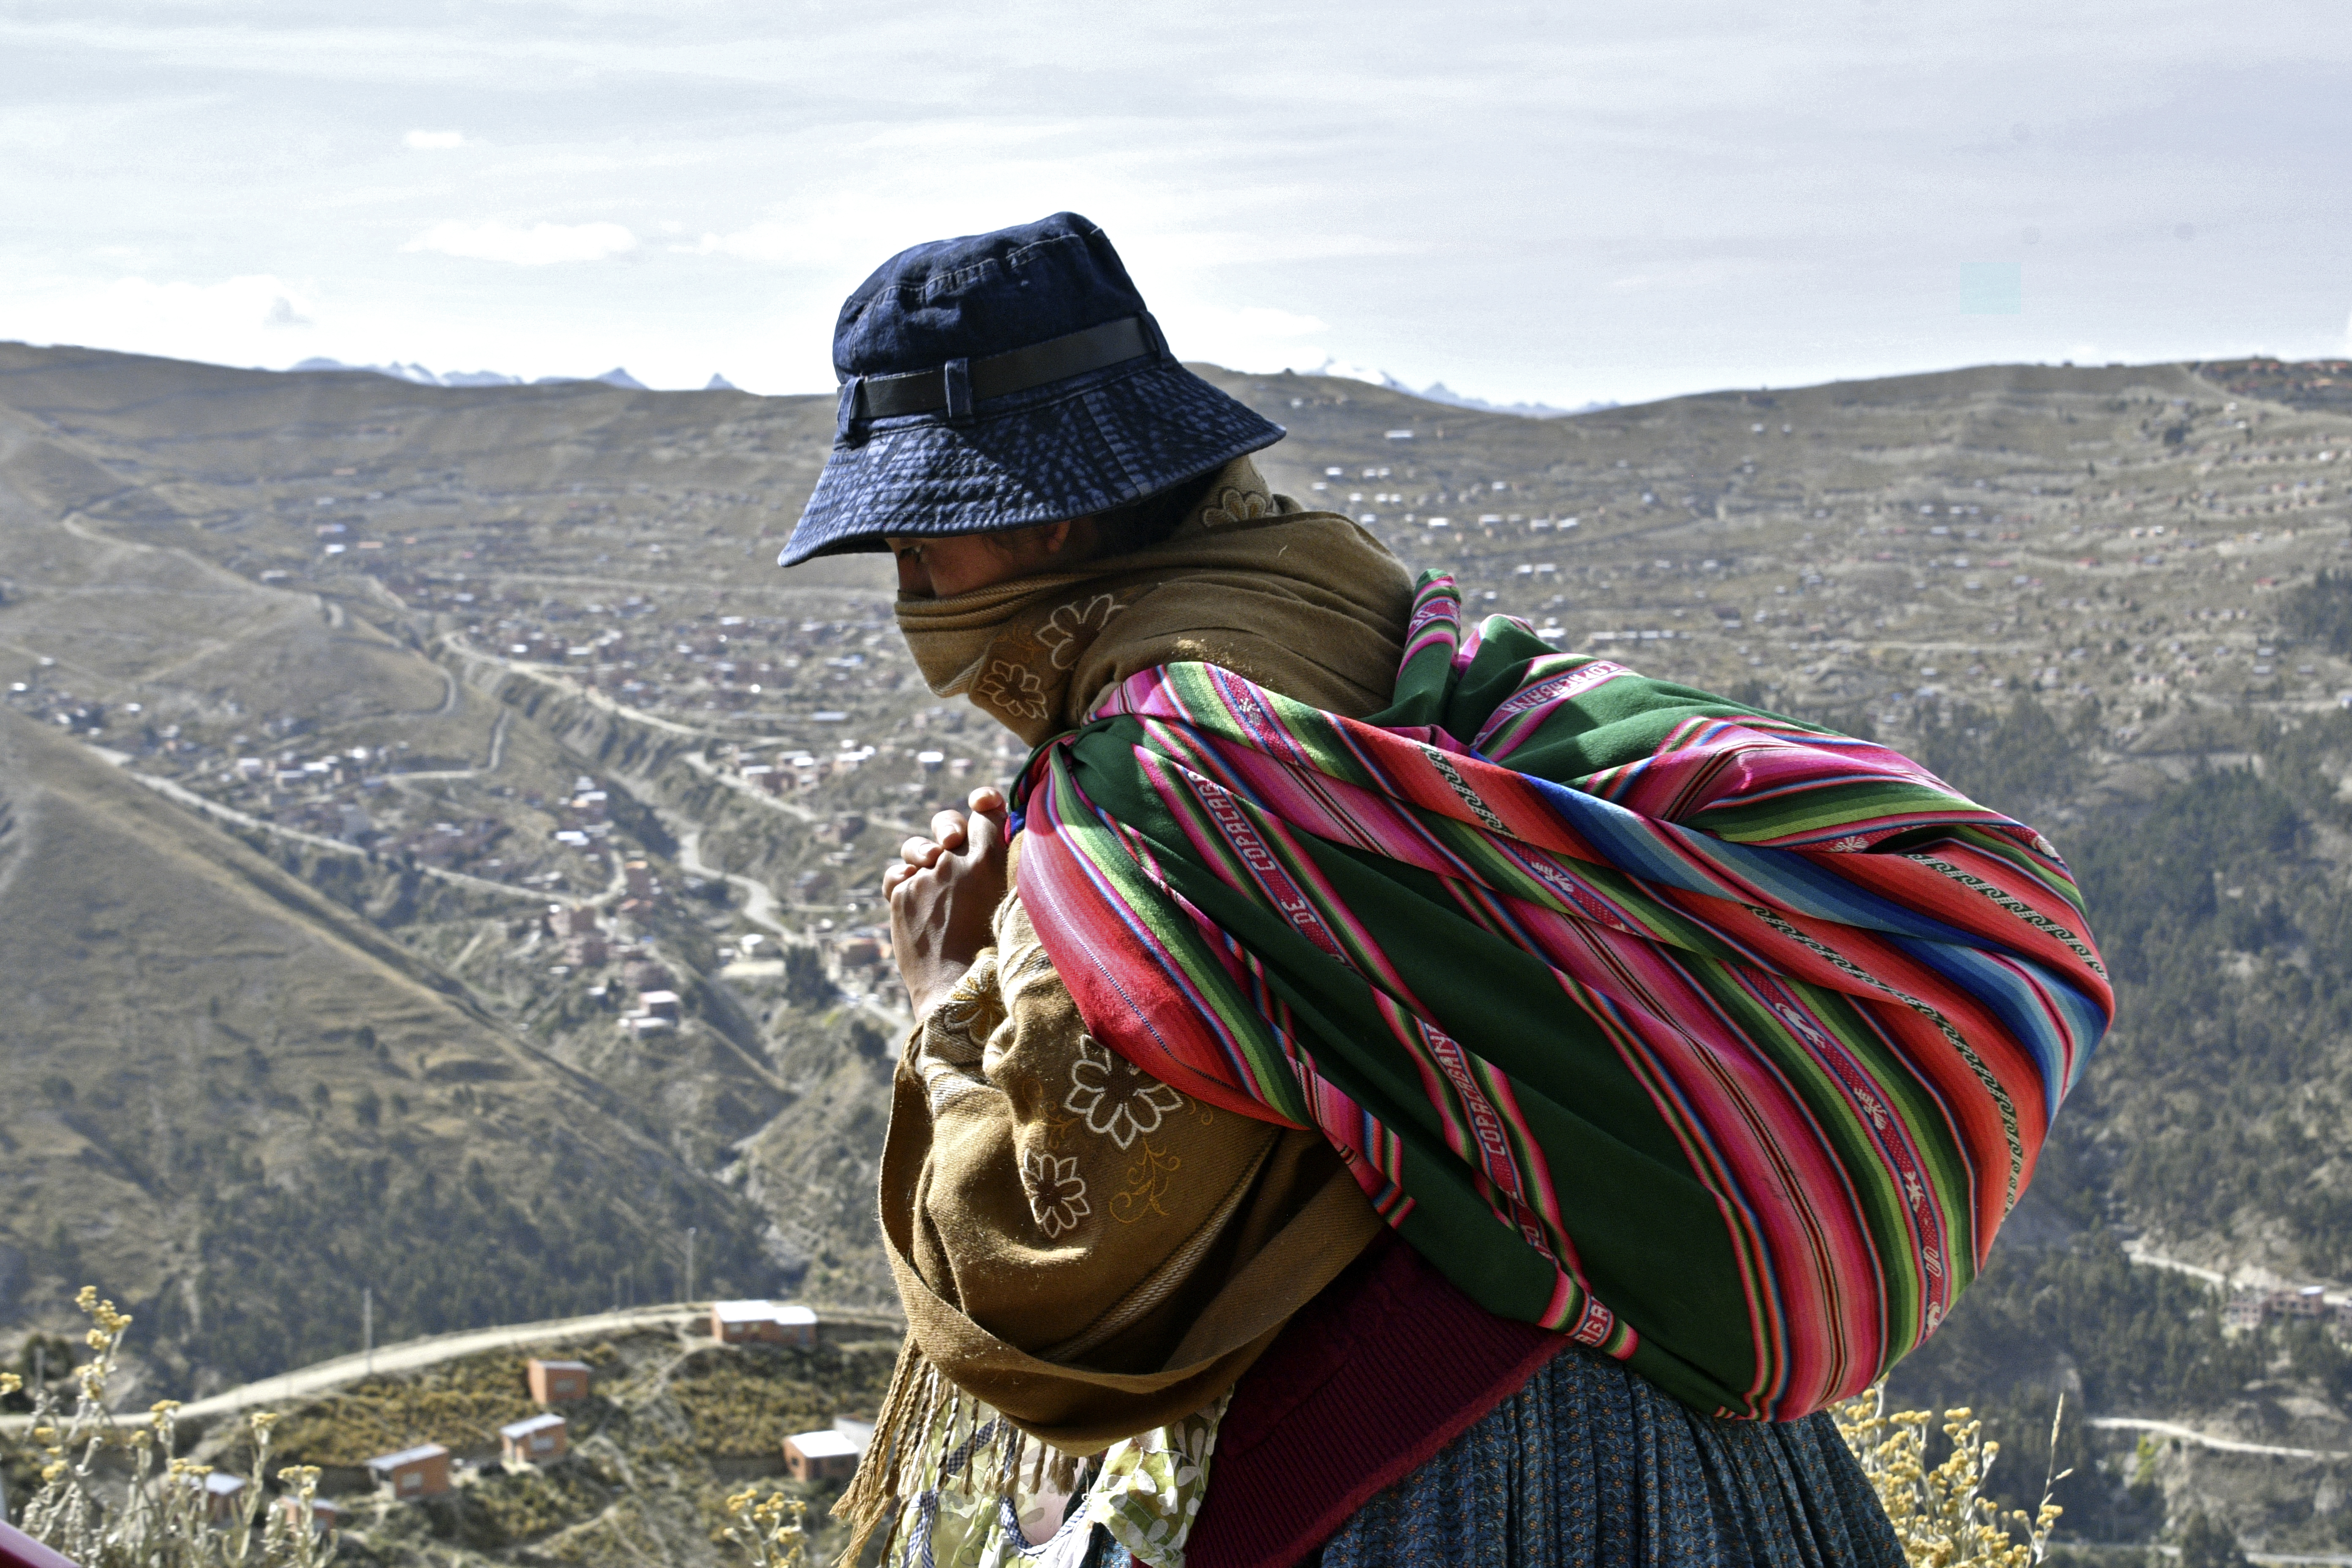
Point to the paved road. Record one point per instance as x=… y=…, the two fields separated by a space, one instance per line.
x=2136 y=1554
x=498 y=749
x=2250 y=1277
x=411 y=1356
x=2224 y=1445
x=760 y=900
x=2141 y=1256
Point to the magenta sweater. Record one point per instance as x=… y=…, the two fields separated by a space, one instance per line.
x=1386 y=1366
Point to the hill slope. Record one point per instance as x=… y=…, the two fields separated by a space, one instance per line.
x=424 y=662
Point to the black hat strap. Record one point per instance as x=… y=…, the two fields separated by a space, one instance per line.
x=959 y=384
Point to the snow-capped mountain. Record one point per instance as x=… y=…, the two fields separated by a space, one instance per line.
x=416 y=372
x=419 y=375
x=1438 y=392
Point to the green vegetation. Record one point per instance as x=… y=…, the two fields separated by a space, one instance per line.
x=658 y=1453
x=2322 y=610
x=2020 y=761
x=460 y=1404
x=288 y=1265
x=673 y=1424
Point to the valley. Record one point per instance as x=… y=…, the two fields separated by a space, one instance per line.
x=438 y=848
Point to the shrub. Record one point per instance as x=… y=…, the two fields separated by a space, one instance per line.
x=161 y=1518
x=1941 y=1516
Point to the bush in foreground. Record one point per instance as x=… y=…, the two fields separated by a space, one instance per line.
x=158 y=1515
x=1941 y=1516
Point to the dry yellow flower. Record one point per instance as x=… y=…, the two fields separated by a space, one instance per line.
x=153 y=1525
x=1940 y=1516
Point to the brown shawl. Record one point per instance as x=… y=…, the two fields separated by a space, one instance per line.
x=1306 y=603
x=1077 y=1244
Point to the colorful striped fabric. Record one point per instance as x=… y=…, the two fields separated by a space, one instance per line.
x=1719 y=1042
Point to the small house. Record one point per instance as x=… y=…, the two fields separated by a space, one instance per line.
x=761 y=1322
x=2308 y=1302
x=827 y=1455
x=659 y=1005
x=324 y=1515
x=557 y=1382
x=539 y=1440
x=224 y=1496
x=419 y=1472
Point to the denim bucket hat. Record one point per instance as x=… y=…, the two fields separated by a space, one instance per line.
x=1006 y=379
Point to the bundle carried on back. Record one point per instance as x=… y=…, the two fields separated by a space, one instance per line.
x=1716 y=1041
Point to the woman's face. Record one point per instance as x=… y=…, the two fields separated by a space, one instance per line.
x=943 y=568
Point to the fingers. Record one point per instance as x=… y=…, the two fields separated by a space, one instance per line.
x=988 y=800
x=987 y=838
x=947 y=826
x=919 y=853
x=892 y=876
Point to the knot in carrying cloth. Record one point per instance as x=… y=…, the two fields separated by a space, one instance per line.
x=1717 y=1042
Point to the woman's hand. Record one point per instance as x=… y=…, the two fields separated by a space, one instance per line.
x=943 y=892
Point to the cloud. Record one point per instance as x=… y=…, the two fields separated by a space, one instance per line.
x=1268 y=323
x=537 y=246
x=1248 y=337
x=237 y=320
x=435 y=141
x=771 y=242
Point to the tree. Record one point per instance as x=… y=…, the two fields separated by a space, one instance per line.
x=2206 y=1544
x=806 y=982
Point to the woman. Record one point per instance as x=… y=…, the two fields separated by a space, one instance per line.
x=1303 y=1151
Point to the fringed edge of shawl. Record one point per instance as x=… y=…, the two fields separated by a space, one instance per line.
x=922 y=1401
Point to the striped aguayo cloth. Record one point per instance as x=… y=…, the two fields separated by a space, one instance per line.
x=1717 y=1042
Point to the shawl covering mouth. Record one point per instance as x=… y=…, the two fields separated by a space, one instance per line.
x=1716 y=1042
x=1305 y=601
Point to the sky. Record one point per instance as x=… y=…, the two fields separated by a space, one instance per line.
x=1554 y=203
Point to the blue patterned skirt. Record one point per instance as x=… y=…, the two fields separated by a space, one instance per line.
x=1589 y=1465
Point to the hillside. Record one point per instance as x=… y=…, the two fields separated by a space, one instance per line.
x=409 y=734
x=672 y=1424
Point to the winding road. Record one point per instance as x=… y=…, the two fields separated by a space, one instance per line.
x=2207 y=1440
x=410 y=1355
